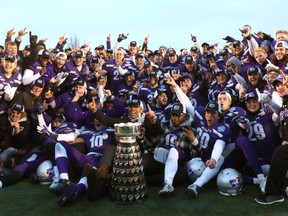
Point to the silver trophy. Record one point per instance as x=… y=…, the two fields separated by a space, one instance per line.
x=128 y=184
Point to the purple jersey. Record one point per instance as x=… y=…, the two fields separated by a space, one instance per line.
x=118 y=109
x=171 y=68
x=159 y=112
x=59 y=74
x=263 y=134
x=113 y=75
x=51 y=71
x=9 y=82
x=78 y=113
x=215 y=88
x=96 y=141
x=146 y=93
x=144 y=77
x=263 y=88
x=196 y=97
x=74 y=73
x=230 y=118
x=63 y=129
x=63 y=100
x=207 y=135
x=36 y=68
x=124 y=88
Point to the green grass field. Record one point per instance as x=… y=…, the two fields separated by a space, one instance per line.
x=26 y=199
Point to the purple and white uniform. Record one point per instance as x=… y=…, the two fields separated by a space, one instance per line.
x=263 y=135
x=196 y=97
x=207 y=135
x=32 y=73
x=114 y=76
x=78 y=113
x=75 y=73
x=8 y=87
x=95 y=142
x=215 y=88
x=231 y=116
x=146 y=93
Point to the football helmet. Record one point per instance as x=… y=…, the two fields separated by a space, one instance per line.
x=195 y=168
x=229 y=182
x=45 y=172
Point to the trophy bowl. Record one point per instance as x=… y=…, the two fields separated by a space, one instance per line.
x=127 y=129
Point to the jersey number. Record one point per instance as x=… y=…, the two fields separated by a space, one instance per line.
x=256 y=132
x=96 y=141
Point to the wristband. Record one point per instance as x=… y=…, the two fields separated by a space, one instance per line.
x=195 y=142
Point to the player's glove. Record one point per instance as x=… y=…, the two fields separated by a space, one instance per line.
x=122 y=37
x=229 y=39
x=230 y=71
x=245 y=33
x=243 y=122
x=263 y=97
x=193 y=38
x=32 y=38
x=9 y=93
x=270 y=65
x=40 y=109
x=45 y=132
x=65 y=41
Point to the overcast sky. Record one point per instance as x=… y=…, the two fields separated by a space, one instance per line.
x=168 y=22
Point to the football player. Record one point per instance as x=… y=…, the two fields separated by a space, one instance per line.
x=95 y=142
x=210 y=134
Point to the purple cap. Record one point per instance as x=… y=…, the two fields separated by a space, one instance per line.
x=213 y=106
x=188 y=59
x=178 y=109
x=10 y=58
x=171 y=52
x=133 y=43
x=278 y=80
x=79 y=54
x=139 y=55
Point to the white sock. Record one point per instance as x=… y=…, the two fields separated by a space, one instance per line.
x=56 y=172
x=83 y=181
x=64 y=176
x=171 y=166
x=260 y=176
x=208 y=173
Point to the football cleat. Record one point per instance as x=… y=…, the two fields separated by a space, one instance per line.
x=166 y=191
x=69 y=195
x=192 y=191
x=62 y=185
